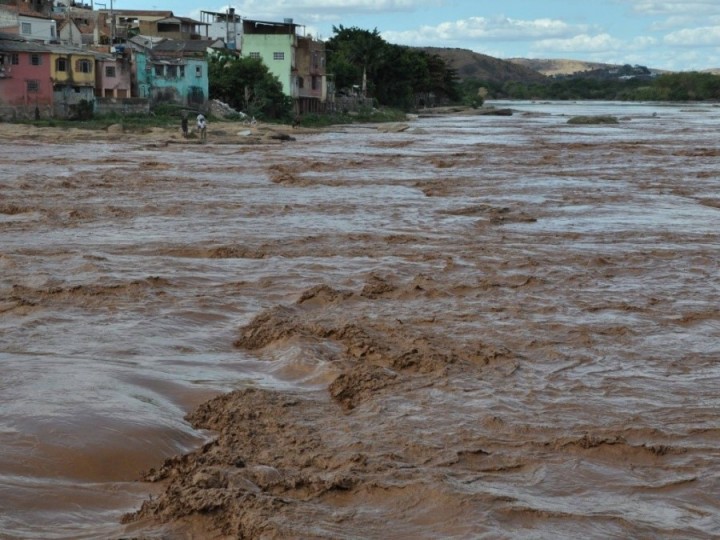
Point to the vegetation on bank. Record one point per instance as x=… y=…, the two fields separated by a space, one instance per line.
x=686 y=86
x=169 y=116
x=395 y=76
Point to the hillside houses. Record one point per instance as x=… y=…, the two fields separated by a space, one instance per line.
x=54 y=57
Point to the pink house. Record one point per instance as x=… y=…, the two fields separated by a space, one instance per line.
x=112 y=76
x=26 y=89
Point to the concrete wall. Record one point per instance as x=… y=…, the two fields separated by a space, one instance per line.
x=122 y=106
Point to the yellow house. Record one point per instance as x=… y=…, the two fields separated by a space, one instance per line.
x=72 y=72
x=76 y=68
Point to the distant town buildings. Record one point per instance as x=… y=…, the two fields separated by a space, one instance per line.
x=55 y=55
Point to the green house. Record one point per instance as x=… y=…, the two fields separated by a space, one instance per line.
x=275 y=44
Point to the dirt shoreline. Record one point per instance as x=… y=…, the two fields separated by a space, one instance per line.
x=219 y=131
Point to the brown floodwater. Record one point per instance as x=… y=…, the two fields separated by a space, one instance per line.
x=481 y=327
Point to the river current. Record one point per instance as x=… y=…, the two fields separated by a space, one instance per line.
x=559 y=285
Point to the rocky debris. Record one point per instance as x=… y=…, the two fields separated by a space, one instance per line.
x=393 y=128
x=219 y=109
x=599 y=119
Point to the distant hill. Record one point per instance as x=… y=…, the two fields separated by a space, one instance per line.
x=554 y=67
x=472 y=65
x=558 y=67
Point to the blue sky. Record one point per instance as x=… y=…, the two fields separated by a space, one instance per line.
x=663 y=34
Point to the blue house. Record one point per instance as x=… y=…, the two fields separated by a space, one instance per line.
x=173 y=72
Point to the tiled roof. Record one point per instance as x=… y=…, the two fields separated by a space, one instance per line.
x=183 y=46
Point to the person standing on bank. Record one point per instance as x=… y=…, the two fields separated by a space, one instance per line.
x=202 y=127
x=184 y=125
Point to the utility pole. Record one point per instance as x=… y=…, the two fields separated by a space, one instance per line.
x=112 y=25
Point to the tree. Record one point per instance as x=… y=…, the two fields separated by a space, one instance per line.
x=247 y=84
x=359 y=48
x=395 y=75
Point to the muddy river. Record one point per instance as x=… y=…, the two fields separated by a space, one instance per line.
x=480 y=327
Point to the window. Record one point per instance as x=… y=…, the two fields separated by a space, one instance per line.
x=278 y=56
x=61 y=64
x=255 y=55
x=14 y=59
x=198 y=71
x=171 y=72
x=33 y=86
x=52 y=32
x=159 y=70
x=110 y=71
x=25 y=28
x=182 y=72
x=315 y=82
x=83 y=66
x=301 y=82
x=35 y=59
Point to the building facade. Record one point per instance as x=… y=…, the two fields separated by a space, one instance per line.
x=225 y=26
x=173 y=72
x=311 y=76
x=113 y=75
x=26 y=89
x=29 y=25
x=275 y=45
x=72 y=72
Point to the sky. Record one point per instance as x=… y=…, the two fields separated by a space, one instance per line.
x=677 y=35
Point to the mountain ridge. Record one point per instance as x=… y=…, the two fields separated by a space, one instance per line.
x=473 y=65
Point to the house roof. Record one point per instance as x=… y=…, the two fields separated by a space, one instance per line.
x=66 y=49
x=145 y=42
x=9 y=36
x=24 y=11
x=10 y=45
x=183 y=46
x=139 y=13
x=270 y=23
x=186 y=20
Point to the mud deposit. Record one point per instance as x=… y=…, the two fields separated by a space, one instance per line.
x=482 y=327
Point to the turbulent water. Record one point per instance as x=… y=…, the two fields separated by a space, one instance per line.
x=481 y=327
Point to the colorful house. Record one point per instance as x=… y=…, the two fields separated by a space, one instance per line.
x=113 y=74
x=173 y=72
x=73 y=76
x=297 y=61
x=275 y=44
x=26 y=89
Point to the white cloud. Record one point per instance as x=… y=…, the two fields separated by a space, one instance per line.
x=707 y=36
x=317 y=10
x=701 y=8
x=484 y=29
x=582 y=43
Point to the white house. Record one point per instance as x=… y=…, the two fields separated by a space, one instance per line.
x=31 y=26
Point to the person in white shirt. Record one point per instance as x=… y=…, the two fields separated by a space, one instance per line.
x=202 y=127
